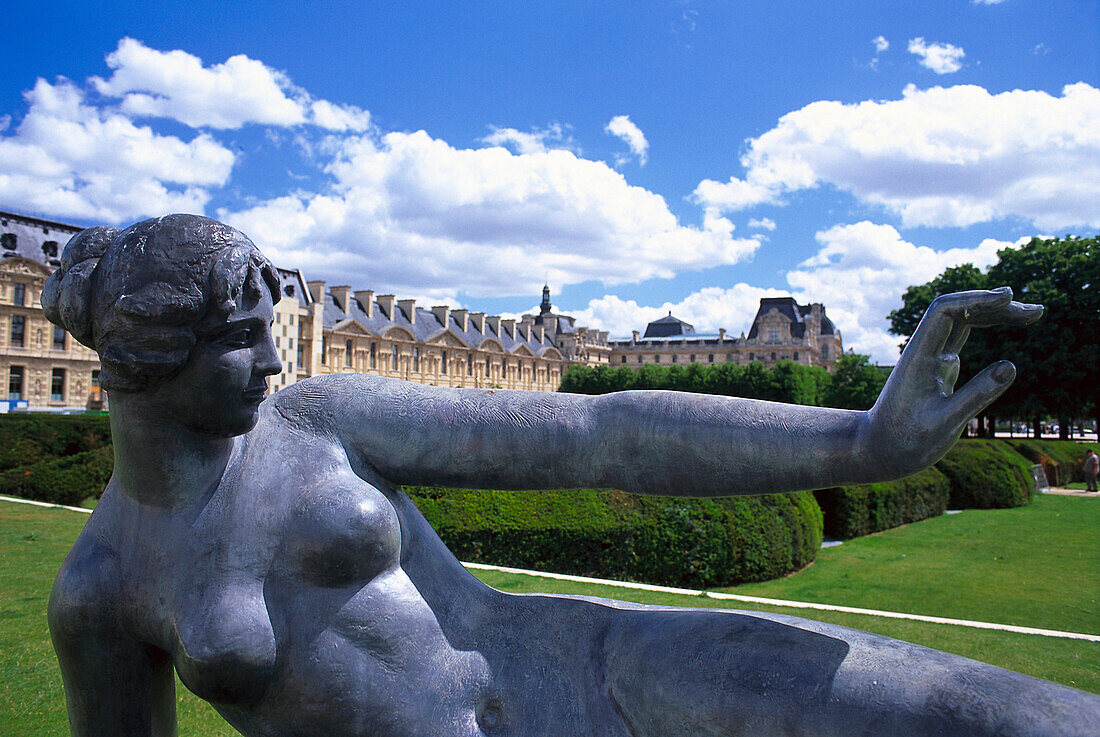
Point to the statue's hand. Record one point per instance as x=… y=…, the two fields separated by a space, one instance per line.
x=918 y=415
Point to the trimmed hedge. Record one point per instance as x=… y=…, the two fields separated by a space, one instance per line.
x=609 y=534
x=669 y=540
x=66 y=480
x=1062 y=460
x=854 y=511
x=987 y=474
x=26 y=439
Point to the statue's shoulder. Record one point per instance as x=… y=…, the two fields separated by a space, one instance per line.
x=86 y=590
x=323 y=402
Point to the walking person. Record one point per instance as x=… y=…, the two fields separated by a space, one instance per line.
x=1092 y=468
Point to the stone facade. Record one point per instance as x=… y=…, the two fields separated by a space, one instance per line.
x=782 y=330
x=325 y=330
x=43 y=366
x=577 y=343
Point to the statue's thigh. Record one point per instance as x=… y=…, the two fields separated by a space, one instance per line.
x=717 y=673
x=734 y=673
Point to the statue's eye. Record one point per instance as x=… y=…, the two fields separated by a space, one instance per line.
x=240 y=337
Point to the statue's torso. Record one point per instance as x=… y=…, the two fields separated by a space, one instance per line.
x=281 y=599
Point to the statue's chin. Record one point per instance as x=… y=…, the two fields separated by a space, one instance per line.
x=228 y=426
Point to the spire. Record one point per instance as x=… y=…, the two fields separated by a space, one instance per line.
x=545 y=307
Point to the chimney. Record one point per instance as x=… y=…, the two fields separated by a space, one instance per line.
x=342 y=295
x=408 y=306
x=634 y=336
x=528 y=320
x=462 y=318
x=317 y=291
x=721 y=334
x=366 y=301
x=525 y=331
x=386 y=304
x=443 y=314
x=494 y=324
x=540 y=333
x=509 y=327
x=478 y=319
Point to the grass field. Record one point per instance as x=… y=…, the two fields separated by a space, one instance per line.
x=1037 y=566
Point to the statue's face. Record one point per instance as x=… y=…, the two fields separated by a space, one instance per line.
x=219 y=390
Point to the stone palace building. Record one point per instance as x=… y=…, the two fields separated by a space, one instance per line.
x=43 y=365
x=321 y=329
x=782 y=330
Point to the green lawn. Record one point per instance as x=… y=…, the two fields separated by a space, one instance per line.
x=1037 y=566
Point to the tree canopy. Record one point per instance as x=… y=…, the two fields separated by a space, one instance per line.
x=1056 y=357
x=855 y=383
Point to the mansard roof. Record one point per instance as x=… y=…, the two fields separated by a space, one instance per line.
x=426 y=326
x=33 y=238
x=797 y=314
x=668 y=326
x=292 y=286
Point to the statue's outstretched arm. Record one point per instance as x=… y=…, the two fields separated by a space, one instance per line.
x=671 y=442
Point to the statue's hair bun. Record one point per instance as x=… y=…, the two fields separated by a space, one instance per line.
x=67 y=296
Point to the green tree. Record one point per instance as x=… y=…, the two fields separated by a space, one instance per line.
x=855 y=383
x=1056 y=357
x=1059 y=373
x=915 y=301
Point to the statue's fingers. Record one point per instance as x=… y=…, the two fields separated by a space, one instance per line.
x=982 y=390
x=960 y=331
x=1015 y=314
x=938 y=322
x=947 y=372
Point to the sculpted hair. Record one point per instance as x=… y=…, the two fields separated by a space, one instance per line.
x=138 y=296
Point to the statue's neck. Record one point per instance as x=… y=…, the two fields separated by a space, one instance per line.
x=158 y=461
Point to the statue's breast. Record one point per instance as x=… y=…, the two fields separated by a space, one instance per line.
x=344 y=534
x=225 y=644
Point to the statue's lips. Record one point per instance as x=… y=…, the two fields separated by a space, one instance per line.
x=255 y=395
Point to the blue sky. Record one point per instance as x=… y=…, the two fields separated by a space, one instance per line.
x=644 y=157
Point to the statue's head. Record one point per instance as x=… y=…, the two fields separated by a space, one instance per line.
x=151 y=297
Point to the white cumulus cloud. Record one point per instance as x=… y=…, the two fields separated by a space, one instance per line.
x=763 y=223
x=707 y=310
x=411 y=213
x=622 y=127
x=176 y=85
x=939 y=157
x=881 y=44
x=941 y=58
x=860 y=272
x=535 y=141
x=72 y=159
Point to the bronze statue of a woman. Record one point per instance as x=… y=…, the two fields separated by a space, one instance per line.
x=262 y=548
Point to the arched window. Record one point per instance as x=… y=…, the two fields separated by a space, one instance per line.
x=347 y=352
x=443 y=363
